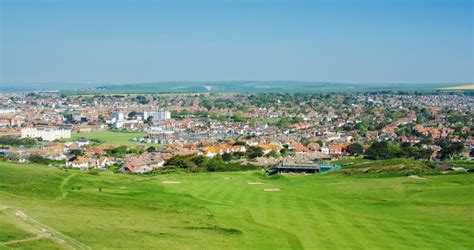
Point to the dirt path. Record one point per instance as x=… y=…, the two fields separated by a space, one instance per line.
x=62 y=189
x=416 y=177
x=38 y=237
x=42 y=231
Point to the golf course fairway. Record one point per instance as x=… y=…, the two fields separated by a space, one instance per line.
x=49 y=208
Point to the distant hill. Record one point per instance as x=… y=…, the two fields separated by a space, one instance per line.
x=264 y=86
x=227 y=87
x=15 y=87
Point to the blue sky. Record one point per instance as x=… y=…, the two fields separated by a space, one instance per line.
x=121 y=41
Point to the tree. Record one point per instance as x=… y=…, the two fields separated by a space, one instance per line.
x=450 y=150
x=14 y=141
x=237 y=117
x=227 y=156
x=76 y=152
x=133 y=150
x=355 y=149
x=141 y=99
x=132 y=115
x=120 y=151
x=174 y=114
x=184 y=113
x=239 y=143
x=379 y=151
x=255 y=152
x=305 y=141
x=273 y=154
x=149 y=120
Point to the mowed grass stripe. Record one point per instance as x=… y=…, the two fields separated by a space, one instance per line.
x=229 y=193
x=419 y=231
x=322 y=233
x=349 y=213
x=239 y=197
x=412 y=234
x=394 y=226
x=270 y=215
x=359 y=225
x=289 y=211
x=214 y=193
x=248 y=201
x=345 y=238
x=324 y=227
x=303 y=221
x=260 y=216
x=202 y=191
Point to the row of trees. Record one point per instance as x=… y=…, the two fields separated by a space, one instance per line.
x=199 y=163
x=15 y=141
x=387 y=150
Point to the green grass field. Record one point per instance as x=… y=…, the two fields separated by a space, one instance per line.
x=110 y=137
x=48 y=208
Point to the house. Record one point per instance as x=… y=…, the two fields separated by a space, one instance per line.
x=300 y=125
x=103 y=162
x=325 y=150
x=78 y=162
x=136 y=166
x=314 y=146
x=144 y=163
x=56 y=147
x=46 y=134
x=154 y=160
x=298 y=148
x=96 y=151
x=337 y=149
x=211 y=151
x=82 y=142
x=4 y=151
x=267 y=148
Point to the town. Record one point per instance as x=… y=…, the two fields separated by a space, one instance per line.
x=207 y=124
x=219 y=131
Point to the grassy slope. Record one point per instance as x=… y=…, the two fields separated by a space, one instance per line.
x=109 y=137
x=208 y=211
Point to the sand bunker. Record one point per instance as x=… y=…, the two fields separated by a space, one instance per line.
x=416 y=177
x=170 y=182
x=255 y=183
x=272 y=190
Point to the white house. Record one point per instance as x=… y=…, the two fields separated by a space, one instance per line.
x=79 y=162
x=116 y=117
x=82 y=142
x=160 y=115
x=46 y=134
x=325 y=150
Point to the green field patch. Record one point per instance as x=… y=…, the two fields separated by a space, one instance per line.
x=37 y=244
x=107 y=137
x=10 y=229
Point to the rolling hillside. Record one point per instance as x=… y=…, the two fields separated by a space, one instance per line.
x=49 y=208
